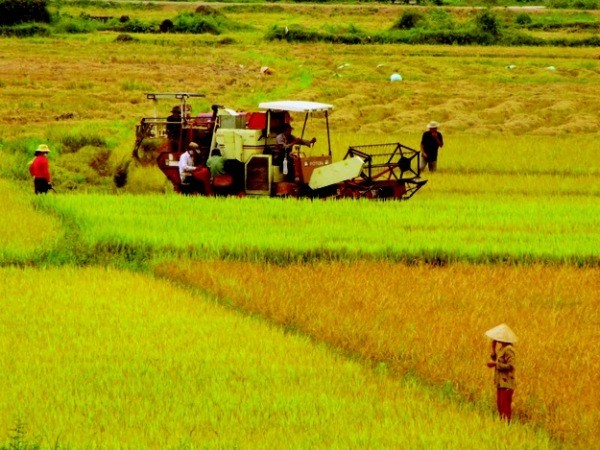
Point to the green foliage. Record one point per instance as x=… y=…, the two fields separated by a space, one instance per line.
x=196 y=23
x=19 y=440
x=578 y=22
x=299 y=34
x=574 y=4
x=67 y=24
x=14 y=166
x=488 y=22
x=25 y=30
x=13 y=12
x=464 y=36
x=523 y=19
x=481 y=229
x=451 y=37
x=87 y=166
x=409 y=20
x=138 y=26
x=72 y=143
x=440 y=19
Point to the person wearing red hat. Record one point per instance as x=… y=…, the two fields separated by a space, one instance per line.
x=503 y=361
x=40 y=171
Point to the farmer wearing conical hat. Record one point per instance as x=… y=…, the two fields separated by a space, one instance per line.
x=503 y=361
x=39 y=170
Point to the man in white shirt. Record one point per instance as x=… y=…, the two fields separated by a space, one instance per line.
x=186 y=163
x=196 y=178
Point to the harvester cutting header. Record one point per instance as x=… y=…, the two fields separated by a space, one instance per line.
x=226 y=152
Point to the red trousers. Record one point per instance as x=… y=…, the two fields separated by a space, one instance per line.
x=504 y=401
x=202 y=174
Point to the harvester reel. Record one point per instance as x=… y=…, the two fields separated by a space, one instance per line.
x=405 y=164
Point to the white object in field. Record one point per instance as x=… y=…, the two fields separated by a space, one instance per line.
x=347 y=169
x=396 y=77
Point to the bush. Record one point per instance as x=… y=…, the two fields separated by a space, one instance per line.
x=13 y=12
x=166 y=26
x=137 y=26
x=408 y=21
x=75 y=25
x=195 y=23
x=523 y=19
x=440 y=19
x=487 y=22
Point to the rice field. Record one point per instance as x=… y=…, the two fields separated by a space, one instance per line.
x=429 y=322
x=150 y=320
x=362 y=286
x=26 y=234
x=485 y=228
x=115 y=359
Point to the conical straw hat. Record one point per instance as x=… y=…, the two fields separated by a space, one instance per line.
x=502 y=333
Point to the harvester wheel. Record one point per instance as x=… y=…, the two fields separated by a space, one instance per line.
x=369 y=194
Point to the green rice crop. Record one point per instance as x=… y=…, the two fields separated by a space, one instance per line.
x=444 y=227
x=25 y=234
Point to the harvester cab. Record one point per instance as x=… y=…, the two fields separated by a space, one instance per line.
x=270 y=168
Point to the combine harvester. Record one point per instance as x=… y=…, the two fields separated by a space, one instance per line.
x=256 y=165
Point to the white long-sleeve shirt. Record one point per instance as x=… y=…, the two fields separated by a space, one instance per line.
x=186 y=165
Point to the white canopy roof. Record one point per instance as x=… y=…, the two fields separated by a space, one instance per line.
x=295 y=106
x=177 y=95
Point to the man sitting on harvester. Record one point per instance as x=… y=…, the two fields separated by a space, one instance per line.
x=194 y=178
x=285 y=143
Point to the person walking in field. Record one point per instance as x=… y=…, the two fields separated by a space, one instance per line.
x=40 y=170
x=431 y=141
x=502 y=360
